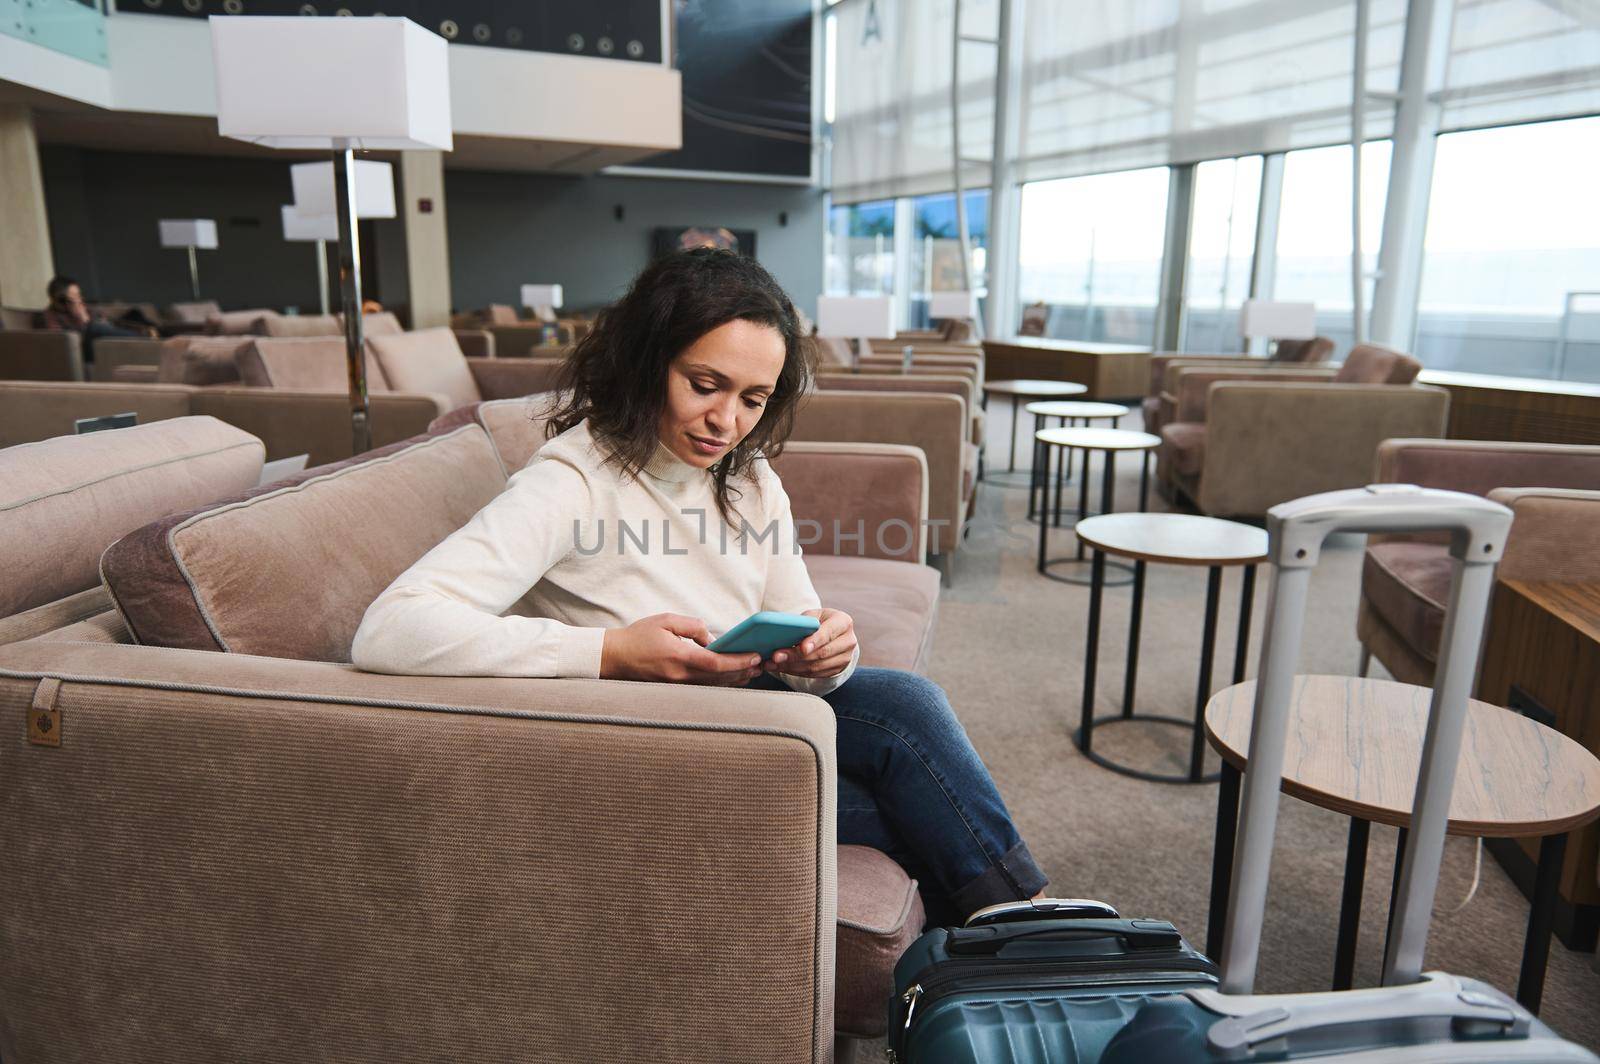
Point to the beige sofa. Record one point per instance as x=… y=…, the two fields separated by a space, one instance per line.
x=1159 y=404
x=41 y=355
x=226 y=843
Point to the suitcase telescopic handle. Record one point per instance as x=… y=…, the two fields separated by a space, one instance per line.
x=988 y=940
x=1296 y=532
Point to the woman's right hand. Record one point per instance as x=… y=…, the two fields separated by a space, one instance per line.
x=654 y=649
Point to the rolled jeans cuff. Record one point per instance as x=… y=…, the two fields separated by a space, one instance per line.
x=1015 y=877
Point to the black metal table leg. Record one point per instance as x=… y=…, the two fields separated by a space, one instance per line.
x=1247 y=599
x=1044 y=525
x=1394 y=889
x=1011 y=462
x=1222 y=858
x=1130 y=677
x=1355 y=878
x=1061 y=476
x=1036 y=486
x=1541 y=918
x=1083 y=492
x=1097 y=586
x=1144 y=484
x=1208 y=653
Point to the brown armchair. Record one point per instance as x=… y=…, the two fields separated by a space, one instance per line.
x=1553 y=489
x=41 y=355
x=1239 y=446
x=1288 y=353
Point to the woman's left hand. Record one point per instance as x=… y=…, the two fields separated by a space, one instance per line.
x=825 y=652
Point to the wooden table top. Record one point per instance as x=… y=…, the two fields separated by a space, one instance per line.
x=1034 y=387
x=1099 y=439
x=1355 y=746
x=1071 y=408
x=1087 y=347
x=1175 y=539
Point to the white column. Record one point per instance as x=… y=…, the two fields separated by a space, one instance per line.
x=1004 y=195
x=1405 y=215
x=1170 y=307
x=905 y=246
x=1264 y=261
x=427 y=244
x=26 y=263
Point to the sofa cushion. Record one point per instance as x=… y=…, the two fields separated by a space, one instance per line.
x=500 y=314
x=1371 y=364
x=880 y=915
x=516 y=426
x=894 y=606
x=301 y=325
x=1185 y=445
x=380 y=323
x=194 y=313
x=304 y=364
x=201 y=360
x=239 y=322
x=63 y=500
x=1407 y=584
x=288 y=570
x=426 y=361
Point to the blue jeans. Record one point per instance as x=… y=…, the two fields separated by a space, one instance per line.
x=912 y=786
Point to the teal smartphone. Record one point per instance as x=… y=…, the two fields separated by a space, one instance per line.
x=762 y=633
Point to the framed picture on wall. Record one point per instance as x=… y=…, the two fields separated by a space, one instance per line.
x=681 y=238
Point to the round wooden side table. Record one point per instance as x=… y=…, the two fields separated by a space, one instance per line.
x=1168 y=539
x=1064 y=411
x=1109 y=442
x=1019 y=390
x=1355 y=746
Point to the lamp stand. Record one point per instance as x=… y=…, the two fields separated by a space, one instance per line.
x=344 y=183
x=194 y=275
x=322 y=275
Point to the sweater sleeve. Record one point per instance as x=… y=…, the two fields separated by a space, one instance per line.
x=789 y=588
x=442 y=616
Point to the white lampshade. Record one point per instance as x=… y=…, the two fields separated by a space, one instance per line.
x=297 y=226
x=298 y=82
x=313 y=189
x=952 y=305
x=1277 y=321
x=188 y=233
x=541 y=295
x=853 y=317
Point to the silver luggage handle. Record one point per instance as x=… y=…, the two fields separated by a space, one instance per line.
x=1296 y=531
x=1041 y=909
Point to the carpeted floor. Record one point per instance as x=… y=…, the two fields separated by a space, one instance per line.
x=1010 y=650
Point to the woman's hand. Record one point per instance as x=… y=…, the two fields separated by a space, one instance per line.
x=825 y=652
x=653 y=649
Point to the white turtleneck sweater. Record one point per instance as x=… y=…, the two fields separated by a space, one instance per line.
x=573 y=547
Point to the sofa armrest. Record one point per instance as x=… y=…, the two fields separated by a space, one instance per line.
x=39 y=410
x=1160 y=363
x=133 y=374
x=1268 y=443
x=1191 y=384
x=1480 y=466
x=1552 y=535
x=317 y=423
x=114 y=353
x=866 y=499
x=936 y=424
x=475 y=343
x=41 y=355
x=513 y=378
x=393 y=868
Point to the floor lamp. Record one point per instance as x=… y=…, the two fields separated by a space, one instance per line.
x=1261 y=321
x=315 y=195
x=340 y=85
x=190 y=233
x=319 y=229
x=859 y=318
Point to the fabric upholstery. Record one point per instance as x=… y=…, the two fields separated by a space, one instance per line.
x=53 y=616
x=500 y=314
x=316 y=423
x=240 y=322
x=311 y=364
x=1316 y=349
x=1390 y=648
x=380 y=323
x=516 y=427
x=1192 y=385
x=112 y=353
x=19 y=318
x=475 y=343
x=194 y=313
x=894 y=605
x=201 y=360
x=1185 y=445
x=287 y=571
x=301 y=325
x=249 y=859
x=514 y=378
x=880 y=915
x=839 y=489
x=63 y=500
x=1480 y=466
x=1552 y=536
x=426 y=361
x=1371 y=364
x=40 y=355
x=1407 y=585
x=38 y=410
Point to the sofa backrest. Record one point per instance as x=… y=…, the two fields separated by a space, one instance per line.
x=309 y=364
x=64 y=500
x=37 y=410
x=288 y=570
x=426 y=361
x=194 y=313
x=41 y=355
x=201 y=360
x=1316 y=349
x=500 y=314
x=301 y=325
x=239 y=322
x=516 y=427
x=1372 y=364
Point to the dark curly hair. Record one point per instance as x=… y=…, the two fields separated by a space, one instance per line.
x=616 y=376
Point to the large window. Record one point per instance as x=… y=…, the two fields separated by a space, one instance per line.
x=1222 y=241
x=1091 y=254
x=1511 y=274
x=860 y=249
x=936 y=265
x=1314 y=242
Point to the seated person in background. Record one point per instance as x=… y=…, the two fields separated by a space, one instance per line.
x=66 y=313
x=672 y=405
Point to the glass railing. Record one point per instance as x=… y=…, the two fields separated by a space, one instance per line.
x=71 y=27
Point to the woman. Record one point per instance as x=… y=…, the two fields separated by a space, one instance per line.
x=651 y=521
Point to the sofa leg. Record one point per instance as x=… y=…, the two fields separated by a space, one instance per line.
x=844 y=1049
x=945 y=563
x=1366 y=661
